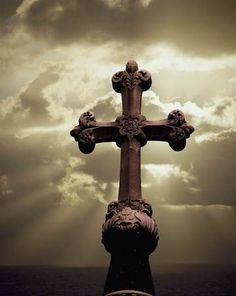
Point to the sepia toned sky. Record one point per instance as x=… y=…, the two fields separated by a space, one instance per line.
x=57 y=58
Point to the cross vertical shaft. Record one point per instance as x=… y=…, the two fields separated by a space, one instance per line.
x=130 y=175
x=130 y=84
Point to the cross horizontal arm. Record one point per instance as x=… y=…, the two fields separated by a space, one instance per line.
x=173 y=130
x=89 y=132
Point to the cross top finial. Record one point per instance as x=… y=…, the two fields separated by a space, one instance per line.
x=131 y=66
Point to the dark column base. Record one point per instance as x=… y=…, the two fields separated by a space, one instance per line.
x=129 y=272
x=130 y=235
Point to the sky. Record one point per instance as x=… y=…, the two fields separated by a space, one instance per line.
x=57 y=58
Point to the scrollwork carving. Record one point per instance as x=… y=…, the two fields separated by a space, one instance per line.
x=75 y=132
x=177 y=138
x=87 y=119
x=86 y=141
x=142 y=78
x=136 y=204
x=131 y=78
x=176 y=134
x=188 y=129
x=179 y=130
x=84 y=132
x=87 y=136
x=176 y=118
x=117 y=81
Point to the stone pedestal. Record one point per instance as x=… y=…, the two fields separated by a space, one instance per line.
x=130 y=236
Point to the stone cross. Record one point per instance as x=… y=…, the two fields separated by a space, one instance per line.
x=129 y=232
x=131 y=130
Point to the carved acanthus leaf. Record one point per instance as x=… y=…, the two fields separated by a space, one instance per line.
x=142 y=78
x=87 y=119
x=131 y=78
x=188 y=129
x=84 y=132
x=132 y=219
x=176 y=118
x=179 y=131
x=86 y=136
x=125 y=79
x=86 y=141
x=177 y=134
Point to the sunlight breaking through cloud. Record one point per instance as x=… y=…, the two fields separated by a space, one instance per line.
x=163 y=171
x=76 y=186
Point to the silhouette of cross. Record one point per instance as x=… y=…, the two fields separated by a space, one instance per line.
x=131 y=130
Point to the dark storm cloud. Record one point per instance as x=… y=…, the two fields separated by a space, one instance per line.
x=29 y=163
x=105 y=109
x=29 y=107
x=200 y=27
x=34 y=99
x=7 y=10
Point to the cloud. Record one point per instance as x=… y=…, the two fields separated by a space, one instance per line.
x=169 y=184
x=7 y=10
x=31 y=107
x=164 y=171
x=218 y=112
x=4 y=185
x=217 y=136
x=197 y=27
x=29 y=165
x=124 y=4
x=77 y=186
